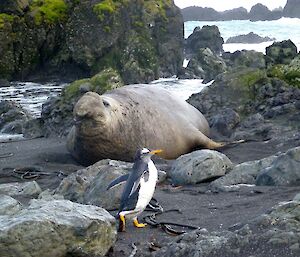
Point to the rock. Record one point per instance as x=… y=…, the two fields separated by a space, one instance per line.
x=244 y=173
x=224 y=122
x=12 y=117
x=31 y=188
x=4 y=83
x=250 y=38
x=196 y=13
x=281 y=52
x=275 y=233
x=240 y=13
x=199 y=166
x=206 y=64
x=245 y=58
x=260 y=12
x=73 y=40
x=9 y=205
x=88 y=186
x=57 y=228
x=283 y=171
x=292 y=9
x=33 y=128
x=205 y=37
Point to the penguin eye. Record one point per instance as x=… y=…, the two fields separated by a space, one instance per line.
x=105 y=103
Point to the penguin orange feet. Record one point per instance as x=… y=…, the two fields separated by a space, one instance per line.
x=137 y=224
x=122 y=223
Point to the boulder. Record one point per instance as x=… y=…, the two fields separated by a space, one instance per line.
x=281 y=52
x=12 y=117
x=283 y=171
x=9 y=205
x=57 y=228
x=206 y=65
x=272 y=234
x=199 y=166
x=245 y=58
x=88 y=186
x=250 y=38
x=30 y=188
x=244 y=173
x=292 y=9
x=205 y=37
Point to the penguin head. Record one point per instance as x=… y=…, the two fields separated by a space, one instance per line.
x=145 y=154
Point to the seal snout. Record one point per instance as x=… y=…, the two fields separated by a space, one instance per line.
x=89 y=106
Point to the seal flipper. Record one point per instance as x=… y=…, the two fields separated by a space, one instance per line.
x=205 y=142
x=118 y=181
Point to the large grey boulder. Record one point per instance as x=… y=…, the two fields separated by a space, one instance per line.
x=199 y=166
x=89 y=185
x=244 y=173
x=9 y=205
x=57 y=228
x=283 y=171
x=30 y=188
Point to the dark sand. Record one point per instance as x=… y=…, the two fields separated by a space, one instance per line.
x=213 y=211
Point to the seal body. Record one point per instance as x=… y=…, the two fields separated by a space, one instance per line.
x=114 y=125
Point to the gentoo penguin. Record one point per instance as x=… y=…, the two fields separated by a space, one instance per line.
x=139 y=187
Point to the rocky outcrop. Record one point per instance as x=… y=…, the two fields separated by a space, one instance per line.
x=57 y=228
x=292 y=9
x=244 y=58
x=283 y=171
x=260 y=12
x=88 y=186
x=205 y=65
x=74 y=39
x=240 y=13
x=12 y=117
x=195 y=13
x=205 y=37
x=281 y=52
x=199 y=166
x=275 y=233
x=250 y=38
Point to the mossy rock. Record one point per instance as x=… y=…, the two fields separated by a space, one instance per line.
x=48 y=11
x=105 y=80
x=287 y=73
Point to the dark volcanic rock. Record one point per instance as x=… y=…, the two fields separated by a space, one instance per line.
x=284 y=171
x=206 y=65
x=250 y=38
x=260 y=12
x=12 y=117
x=292 y=9
x=281 y=52
x=74 y=39
x=245 y=58
x=195 y=13
x=207 y=36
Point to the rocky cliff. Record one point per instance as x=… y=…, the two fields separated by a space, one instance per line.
x=292 y=9
x=71 y=39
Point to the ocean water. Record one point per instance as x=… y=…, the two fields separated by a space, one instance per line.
x=282 y=29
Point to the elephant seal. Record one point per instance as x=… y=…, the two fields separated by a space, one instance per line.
x=114 y=125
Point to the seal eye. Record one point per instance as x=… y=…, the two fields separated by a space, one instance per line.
x=105 y=103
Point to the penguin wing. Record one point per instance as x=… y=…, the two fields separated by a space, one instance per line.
x=117 y=181
x=130 y=193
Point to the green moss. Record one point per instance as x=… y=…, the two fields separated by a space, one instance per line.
x=290 y=75
x=157 y=7
x=107 y=7
x=49 y=11
x=100 y=83
x=251 y=78
x=5 y=18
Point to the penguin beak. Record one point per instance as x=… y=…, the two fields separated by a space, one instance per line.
x=156 y=151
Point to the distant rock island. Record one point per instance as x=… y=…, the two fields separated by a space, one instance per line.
x=257 y=12
x=250 y=38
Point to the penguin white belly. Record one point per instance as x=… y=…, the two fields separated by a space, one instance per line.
x=147 y=187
